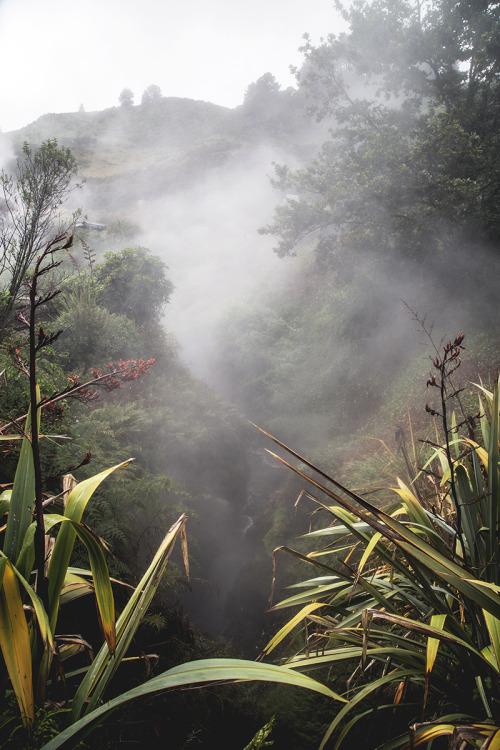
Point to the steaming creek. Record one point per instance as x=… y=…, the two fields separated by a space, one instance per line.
x=249 y=522
x=210 y=603
x=229 y=593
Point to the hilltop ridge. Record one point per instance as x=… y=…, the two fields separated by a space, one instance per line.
x=129 y=153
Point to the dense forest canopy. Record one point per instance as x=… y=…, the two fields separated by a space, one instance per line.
x=385 y=159
x=412 y=166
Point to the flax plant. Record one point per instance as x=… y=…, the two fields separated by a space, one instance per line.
x=39 y=583
x=407 y=598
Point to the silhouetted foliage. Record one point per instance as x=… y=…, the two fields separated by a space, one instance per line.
x=412 y=165
x=126 y=98
x=151 y=95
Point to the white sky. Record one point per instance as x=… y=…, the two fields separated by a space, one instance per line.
x=59 y=54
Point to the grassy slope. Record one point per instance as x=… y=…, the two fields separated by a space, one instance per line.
x=130 y=153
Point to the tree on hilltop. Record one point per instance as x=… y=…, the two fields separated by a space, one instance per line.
x=151 y=95
x=126 y=98
x=265 y=87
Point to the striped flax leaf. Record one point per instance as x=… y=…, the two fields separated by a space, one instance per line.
x=493 y=484
x=373 y=686
x=22 y=497
x=105 y=664
x=417 y=550
x=358 y=531
x=288 y=627
x=427 y=578
x=428 y=735
x=74 y=587
x=431 y=631
x=468 y=501
x=319 y=581
x=102 y=584
x=312 y=595
x=404 y=656
x=493 y=625
x=63 y=547
x=368 y=551
x=485 y=399
x=405 y=741
x=493 y=741
x=15 y=643
x=437 y=621
x=412 y=506
x=365 y=714
x=41 y=614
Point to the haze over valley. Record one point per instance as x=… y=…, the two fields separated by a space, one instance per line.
x=297 y=261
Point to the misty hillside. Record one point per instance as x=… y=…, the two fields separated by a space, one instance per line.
x=131 y=153
x=323 y=351
x=190 y=181
x=320 y=346
x=322 y=262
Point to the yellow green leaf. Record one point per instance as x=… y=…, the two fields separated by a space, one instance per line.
x=494 y=742
x=61 y=554
x=369 y=549
x=439 y=730
x=493 y=625
x=15 y=643
x=437 y=621
x=22 y=497
x=289 y=626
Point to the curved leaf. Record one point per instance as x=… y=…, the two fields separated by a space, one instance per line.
x=375 y=685
x=74 y=587
x=437 y=621
x=192 y=673
x=103 y=667
x=289 y=626
x=99 y=569
x=63 y=547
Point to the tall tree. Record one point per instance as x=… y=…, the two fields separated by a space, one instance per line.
x=126 y=98
x=412 y=90
x=133 y=283
x=44 y=178
x=151 y=95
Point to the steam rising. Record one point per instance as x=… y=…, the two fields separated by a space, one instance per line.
x=207 y=236
x=330 y=349
x=6 y=151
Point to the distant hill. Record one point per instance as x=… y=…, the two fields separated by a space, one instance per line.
x=129 y=153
